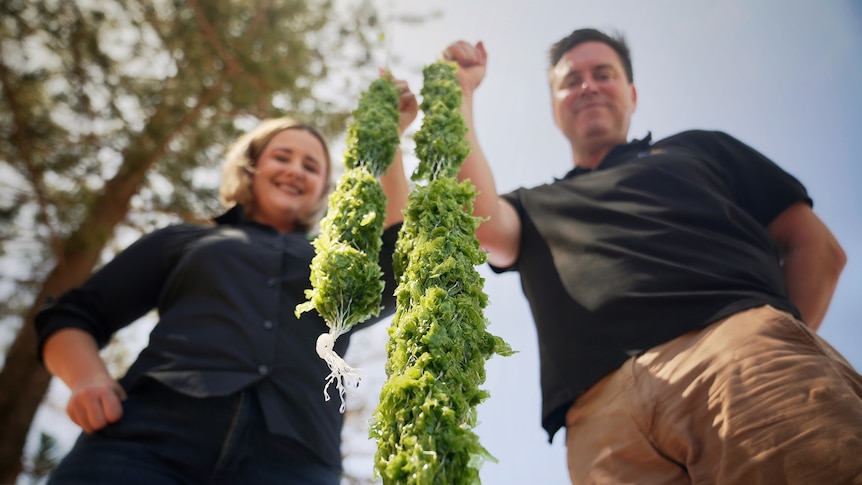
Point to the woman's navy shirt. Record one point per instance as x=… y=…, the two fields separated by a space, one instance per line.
x=225 y=296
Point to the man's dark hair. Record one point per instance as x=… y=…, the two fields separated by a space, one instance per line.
x=617 y=42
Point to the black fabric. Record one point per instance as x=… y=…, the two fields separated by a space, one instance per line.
x=660 y=239
x=225 y=296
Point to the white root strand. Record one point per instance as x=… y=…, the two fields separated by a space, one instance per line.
x=344 y=376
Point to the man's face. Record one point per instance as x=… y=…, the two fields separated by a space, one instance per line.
x=592 y=99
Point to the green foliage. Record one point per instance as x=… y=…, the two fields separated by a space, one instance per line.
x=372 y=137
x=345 y=271
x=90 y=86
x=438 y=339
x=45 y=459
x=346 y=283
x=357 y=212
x=345 y=274
x=440 y=144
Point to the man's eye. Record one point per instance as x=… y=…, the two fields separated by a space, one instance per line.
x=604 y=76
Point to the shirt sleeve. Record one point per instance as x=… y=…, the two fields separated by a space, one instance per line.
x=513 y=198
x=760 y=186
x=390 y=238
x=123 y=290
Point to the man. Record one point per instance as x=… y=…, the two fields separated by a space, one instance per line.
x=676 y=287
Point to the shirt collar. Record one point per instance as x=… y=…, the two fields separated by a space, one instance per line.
x=634 y=144
x=235 y=216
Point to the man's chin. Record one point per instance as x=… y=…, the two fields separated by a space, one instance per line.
x=596 y=134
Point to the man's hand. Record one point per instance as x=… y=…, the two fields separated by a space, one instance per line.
x=471 y=60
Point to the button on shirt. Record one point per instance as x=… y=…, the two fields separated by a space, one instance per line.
x=226 y=296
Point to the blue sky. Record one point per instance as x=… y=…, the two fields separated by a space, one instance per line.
x=781 y=75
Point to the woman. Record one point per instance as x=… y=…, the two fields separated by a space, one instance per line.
x=229 y=388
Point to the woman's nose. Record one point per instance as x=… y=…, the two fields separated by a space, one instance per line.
x=295 y=169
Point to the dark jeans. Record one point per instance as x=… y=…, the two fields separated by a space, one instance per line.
x=168 y=438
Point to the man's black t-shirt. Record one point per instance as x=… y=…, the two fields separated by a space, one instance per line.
x=659 y=240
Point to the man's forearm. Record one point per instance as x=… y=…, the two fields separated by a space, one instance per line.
x=812 y=276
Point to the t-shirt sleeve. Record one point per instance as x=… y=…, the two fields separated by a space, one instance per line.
x=760 y=186
x=513 y=198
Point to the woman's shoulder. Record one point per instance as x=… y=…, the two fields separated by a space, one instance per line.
x=175 y=235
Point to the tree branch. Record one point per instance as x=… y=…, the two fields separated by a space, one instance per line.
x=209 y=33
x=20 y=117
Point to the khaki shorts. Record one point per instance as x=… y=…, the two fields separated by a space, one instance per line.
x=755 y=398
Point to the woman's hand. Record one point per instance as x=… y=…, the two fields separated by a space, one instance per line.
x=96 y=403
x=72 y=355
x=408 y=106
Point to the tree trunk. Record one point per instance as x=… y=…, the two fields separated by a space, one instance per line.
x=24 y=380
x=23 y=383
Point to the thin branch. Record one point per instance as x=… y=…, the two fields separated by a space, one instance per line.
x=234 y=66
x=214 y=40
x=33 y=174
x=251 y=31
x=77 y=68
x=254 y=25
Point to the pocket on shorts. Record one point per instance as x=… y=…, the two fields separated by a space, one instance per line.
x=794 y=328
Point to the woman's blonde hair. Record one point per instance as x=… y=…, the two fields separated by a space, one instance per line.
x=242 y=157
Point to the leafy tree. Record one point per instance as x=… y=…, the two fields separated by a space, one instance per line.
x=44 y=460
x=114 y=115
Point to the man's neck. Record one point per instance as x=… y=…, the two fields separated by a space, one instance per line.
x=590 y=159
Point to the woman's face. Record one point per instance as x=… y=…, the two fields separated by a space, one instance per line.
x=289 y=179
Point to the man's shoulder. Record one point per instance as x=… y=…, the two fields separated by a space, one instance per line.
x=695 y=136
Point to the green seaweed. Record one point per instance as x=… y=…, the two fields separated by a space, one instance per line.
x=438 y=341
x=346 y=279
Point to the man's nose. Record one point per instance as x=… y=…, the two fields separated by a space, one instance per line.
x=587 y=86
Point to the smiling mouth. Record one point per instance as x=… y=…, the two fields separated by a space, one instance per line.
x=590 y=106
x=290 y=189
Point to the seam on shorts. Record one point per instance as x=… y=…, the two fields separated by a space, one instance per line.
x=798 y=326
x=642 y=424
